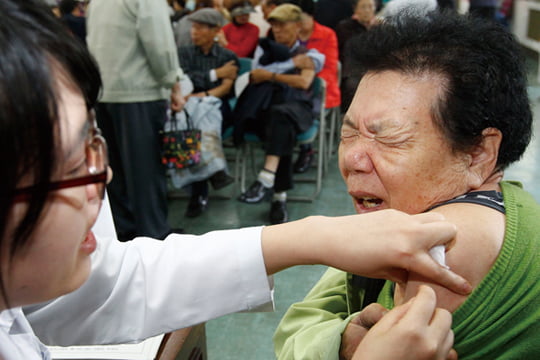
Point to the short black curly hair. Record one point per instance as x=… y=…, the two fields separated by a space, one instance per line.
x=486 y=83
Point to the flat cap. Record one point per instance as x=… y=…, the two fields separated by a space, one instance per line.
x=286 y=13
x=207 y=16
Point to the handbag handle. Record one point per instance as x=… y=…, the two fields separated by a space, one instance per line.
x=174 y=122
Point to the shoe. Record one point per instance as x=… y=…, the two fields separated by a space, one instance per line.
x=196 y=206
x=278 y=212
x=256 y=193
x=221 y=179
x=303 y=163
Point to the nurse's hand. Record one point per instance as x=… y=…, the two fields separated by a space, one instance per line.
x=357 y=329
x=416 y=330
x=386 y=244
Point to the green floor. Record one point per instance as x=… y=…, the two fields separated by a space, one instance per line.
x=249 y=335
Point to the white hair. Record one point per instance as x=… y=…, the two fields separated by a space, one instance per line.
x=414 y=7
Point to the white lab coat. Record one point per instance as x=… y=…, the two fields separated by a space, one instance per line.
x=146 y=287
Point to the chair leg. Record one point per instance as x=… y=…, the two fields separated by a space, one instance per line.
x=333 y=133
x=241 y=167
x=245 y=154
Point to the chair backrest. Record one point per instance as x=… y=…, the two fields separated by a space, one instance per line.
x=319 y=95
x=318 y=89
x=241 y=80
x=245 y=65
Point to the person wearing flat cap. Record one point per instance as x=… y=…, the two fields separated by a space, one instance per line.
x=277 y=105
x=240 y=35
x=212 y=69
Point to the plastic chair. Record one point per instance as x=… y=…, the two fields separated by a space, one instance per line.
x=245 y=66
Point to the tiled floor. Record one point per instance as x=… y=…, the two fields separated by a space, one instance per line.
x=249 y=336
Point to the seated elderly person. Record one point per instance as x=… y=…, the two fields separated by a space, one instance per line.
x=440 y=112
x=240 y=35
x=212 y=69
x=278 y=105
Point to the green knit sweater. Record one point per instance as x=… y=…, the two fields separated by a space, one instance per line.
x=501 y=318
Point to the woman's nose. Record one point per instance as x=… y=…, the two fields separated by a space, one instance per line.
x=355 y=156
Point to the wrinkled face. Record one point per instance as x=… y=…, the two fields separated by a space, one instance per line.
x=202 y=34
x=365 y=11
x=285 y=33
x=56 y=260
x=391 y=153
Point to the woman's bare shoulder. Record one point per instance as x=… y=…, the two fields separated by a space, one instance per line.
x=472 y=254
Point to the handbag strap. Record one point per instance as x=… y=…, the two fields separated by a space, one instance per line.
x=172 y=119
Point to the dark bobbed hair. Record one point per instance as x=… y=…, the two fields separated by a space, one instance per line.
x=486 y=84
x=35 y=49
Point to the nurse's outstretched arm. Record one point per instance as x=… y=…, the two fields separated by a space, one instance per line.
x=383 y=244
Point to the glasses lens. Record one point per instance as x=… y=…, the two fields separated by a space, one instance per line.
x=96 y=159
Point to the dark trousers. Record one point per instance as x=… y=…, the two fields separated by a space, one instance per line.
x=280 y=138
x=138 y=190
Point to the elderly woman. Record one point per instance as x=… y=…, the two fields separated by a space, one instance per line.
x=54 y=171
x=440 y=112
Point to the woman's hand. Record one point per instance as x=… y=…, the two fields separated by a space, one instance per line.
x=177 y=100
x=386 y=244
x=416 y=330
x=390 y=244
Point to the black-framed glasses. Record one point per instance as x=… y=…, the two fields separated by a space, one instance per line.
x=96 y=162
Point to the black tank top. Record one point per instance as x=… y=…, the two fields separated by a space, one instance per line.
x=492 y=199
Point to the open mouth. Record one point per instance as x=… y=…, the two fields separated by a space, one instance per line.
x=370 y=202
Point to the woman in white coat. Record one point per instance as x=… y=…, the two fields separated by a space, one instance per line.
x=54 y=171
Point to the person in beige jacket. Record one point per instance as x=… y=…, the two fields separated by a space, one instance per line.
x=133 y=43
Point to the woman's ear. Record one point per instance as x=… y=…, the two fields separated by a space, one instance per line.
x=483 y=157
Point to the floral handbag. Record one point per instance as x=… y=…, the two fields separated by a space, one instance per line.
x=180 y=146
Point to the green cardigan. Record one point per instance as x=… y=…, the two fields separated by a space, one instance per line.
x=500 y=319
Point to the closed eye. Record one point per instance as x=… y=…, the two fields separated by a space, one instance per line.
x=349 y=134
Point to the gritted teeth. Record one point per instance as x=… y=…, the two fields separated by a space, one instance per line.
x=370 y=202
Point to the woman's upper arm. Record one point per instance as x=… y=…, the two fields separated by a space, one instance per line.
x=476 y=247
